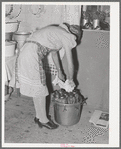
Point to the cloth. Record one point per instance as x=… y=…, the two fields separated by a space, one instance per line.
x=49 y=65
x=54 y=37
x=61 y=53
x=31 y=75
x=50 y=68
x=67 y=39
x=65 y=85
x=42 y=51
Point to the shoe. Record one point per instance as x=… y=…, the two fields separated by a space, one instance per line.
x=49 y=125
x=49 y=117
x=36 y=120
x=51 y=121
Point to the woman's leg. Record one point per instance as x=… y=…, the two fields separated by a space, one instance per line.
x=40 y=108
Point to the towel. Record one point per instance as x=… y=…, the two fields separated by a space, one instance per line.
x=65 y=85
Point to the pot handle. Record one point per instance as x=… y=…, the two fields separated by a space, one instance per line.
x=84 y=101
x=64 y=108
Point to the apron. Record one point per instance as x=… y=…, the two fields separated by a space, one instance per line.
x=31 y=74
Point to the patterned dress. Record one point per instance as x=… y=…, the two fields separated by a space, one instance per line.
x=31 y=75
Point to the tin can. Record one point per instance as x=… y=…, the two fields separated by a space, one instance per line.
x=84 y=21
x=96 y=23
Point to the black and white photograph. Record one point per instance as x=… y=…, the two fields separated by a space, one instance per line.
x=60 y=74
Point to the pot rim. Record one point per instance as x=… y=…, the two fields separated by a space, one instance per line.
x=22 y=33
x=11 y=22
x=63 y=104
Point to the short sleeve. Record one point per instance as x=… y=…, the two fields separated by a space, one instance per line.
x=69 y=40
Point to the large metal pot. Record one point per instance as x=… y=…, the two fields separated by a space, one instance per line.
x=67 y=114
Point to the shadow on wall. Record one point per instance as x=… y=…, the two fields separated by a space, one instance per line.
x=75 y=59
x=80 y=37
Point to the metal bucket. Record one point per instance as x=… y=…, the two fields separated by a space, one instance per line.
x=67 y=114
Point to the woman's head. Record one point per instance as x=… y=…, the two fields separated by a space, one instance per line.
x=75 y=29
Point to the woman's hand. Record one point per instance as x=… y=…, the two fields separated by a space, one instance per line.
x=60 y=75
x=71 y=83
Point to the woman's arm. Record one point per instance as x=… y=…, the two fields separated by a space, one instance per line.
x=70 y=65
x=57 y=64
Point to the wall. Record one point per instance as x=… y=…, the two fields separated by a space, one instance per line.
x=52 y=14
x=30 y=22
